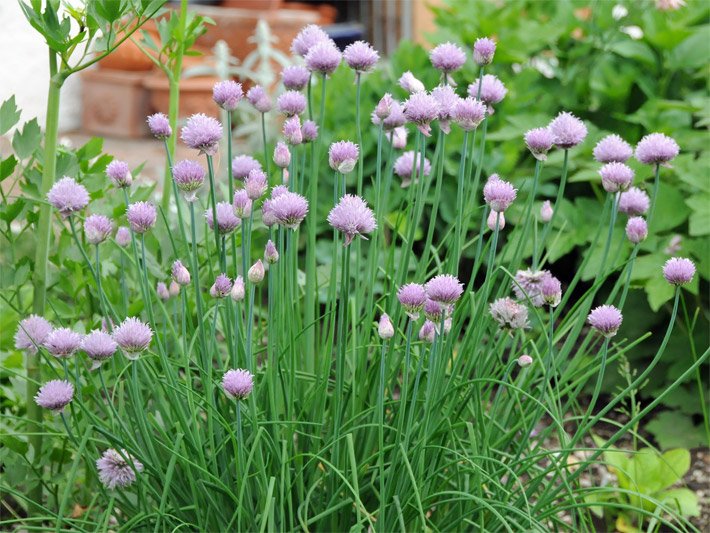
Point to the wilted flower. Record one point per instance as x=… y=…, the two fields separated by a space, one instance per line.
x=295 y=77
x=551 y=290
x=447 y=57
x=606 y=319
x=291 y=103
x=360 y=56
x=227 y=221
x=271 y=255
x=119 y=174
x=115 y=472
x=636 y=229
x=546 y=211
x=428 y=331
x=634 y=202
x=162 y=291
x=238 y=383
x=141 y=216
x=67 y=196
x=656 y=149
x=221 y=287
x=307 y=38
x=406 y=168
x=528 y=284
x=237 y=292
x=292 y=130
x=62 y=342
x=55 y=395
x=409 y=83
x=97 y=228
x=31 y=333
x=202 y=133
x=180 y=273
x=123 y=236
x=421 y=109
x=498 y=194
x=679 y=271
x=259 y=98
x=525 y=360
x=99 y=345
x=256 y=184
x=309 y=131
x=289 y=209
x=412 y=296
x=256 y=272
x=133 y=336
x=616 y=177
x=567 y=130
x=159 y=126
x=189 y=177
x=444 y=288
x=491 y=89
x=384 y=328
x=539 y=141
x=282 y=155
x=242 y=165
x=342 y=156
x=323 y=57
x=483 y=51
x=242 y=203
x=468 y=113
x=613 y=149
x=352 y=217
x=227 y=94
x=509 y=314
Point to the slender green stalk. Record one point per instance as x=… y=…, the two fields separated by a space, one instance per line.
x=556 y=207
x=267 y=160
x=381 y=433
x=213 y=202
x=458 y=232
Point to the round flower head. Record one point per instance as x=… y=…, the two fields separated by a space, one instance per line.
x=525 y=360
x=237 y=293
x=636 y=229
x=221 y=287
x=613 y=149
x=656 y=149
x=309 y=131
x=509 y=314
x=491 y=89
x=242 y=203
x=238 y=383
x=447 y=57
x=162 y=291
x=496 y=220
x=115 y=472
x=259 y=98
x=324 y=57
x=567 y=130
x=399 y=139
x=31 y=333
x=97 y=228
x=119 y=173
x=606 y=319
x=498 y=194
x=295 y=77
x=289 y=209
x=427 y=332
x=202 y=133
x=421 y=109
x=360 y=56
x=352 y=217
x=679 y=270
x=406 y=168
x=528 y=285
x=447 y=99
x=307 y=38
x=227 y=94
x=242 y=165
x=133 y=336
x=634 y=202
x=616 y=177
x=468 y=113
x=539 y=141
x=282 y=155
x=55 y=395
x=412 y=296
x=123 y=236
x=551 y=290
x=141 y=216
x=62 y=342
x=483 y=51
x=433 y=311
x=159 y=126
x=180 y=274
x=256 y=184
x=99 y=345
x=189 y=177
x=227 y=221
x=546 y=211
x=385 y=329
x=409 y=83
x=256 y=272
x=291 y=103
x=444 y=288
x=342 y=156
x=67 y=196
x=271 y=255
x=383 y=107
x=292 y=130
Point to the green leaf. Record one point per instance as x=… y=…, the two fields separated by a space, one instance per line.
x=672 y=429
x=658 y=291
x=634 y=50
x=672 y=466
x=15 y=444
x=7 y=166
x=26 y=141
x=9 y=115
x=670 y=211
x=9 y=212
x=699 y=222
x=692 y=52
x=685 y=500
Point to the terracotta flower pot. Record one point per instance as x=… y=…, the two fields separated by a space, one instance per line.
x=128 y=56
x=195 y=95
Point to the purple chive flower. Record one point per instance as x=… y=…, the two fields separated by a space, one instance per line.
x=133 y=336
x=159 y=126
x=242 y=165
x=606 y=319
x=361 y=56
x=55 y=395
x=267 y=214
x=613 y=149
x=202 y=133
x=119 y=174
x=97 y=228
x=238 y=383
x=289 y=209
x=412 y=296
x=496 y=220
x=636 y=229
x=141 y=216
x=295 y=77
x=383 y=107
x=292 y=130
x=189 y=177
x=256 y=184
x=259 y=98
x=447 y=57
x=406 y=168
x=115 y=472
x=433 y=310
x=31 y=333
x=498 y=194
x=67 y=196
x=123 y=236
x=309 y=131
x=256 y=272
x=409 y=83
x=444 y=288
x=99 y=345
x=528 y=285
x=447 y=99
x=352 y=217
x=162 y=291
x=282 y=155
x=616 y=177
x=468 y=113
x=551 y=290
x=227 y=94
x=277 y=191
x=385 y=329
x=307 y=38
x=342 y=156
x=221 y=287
x=634 y=202
x=567 y=130
x=524 y=360
x=271 y=255
x=399 y=139
x=539 y=141
x=291 y=103
x=180 y=274
x=483 y=51
x=679 y=271
x=546 y=211
x=237 y=293
x=656 y=149
x=227 y=221
x=324 y=57
x=242 y=203
x=421 y=109
x=62 y=342
x=427 y=332
x=492 y=89
x=509 y=314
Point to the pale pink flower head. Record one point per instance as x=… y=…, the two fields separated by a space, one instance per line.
x=342 y=156
x=492 y=90
x=421 y=109
x=675 y=243
x=412 y=296
x=524 y=361
x=385 y=329
x=551 y=290
x=237 y=293
x=133 y=336
x=309 y=131
x=238 y=383
x=399 y=139
x=259 y=99
x=119 y=173
x=539 y=141
x=141 y=216
x=55 y=395
x=606 y=319
x=679 y=271
x=180 y=273
x=67 y=196
x=498 y=194
x=162 y=291
x=282 y=155
x=295 y=77
x=99 y=345
x=636 y=229
x=189 y=177
x=267 y=214
x=271 y=255
x=227 y=220
x=447 y=99
x=307 y=38
x=483 y=51
x=62 y=343
x=256 y=272
x=289 y=209
x=616 y=177
x=361 y=56
x=221 y=287
x=634 y=202
x=242 y=165
x=407 y=167
x=383 y=107
x=528 y=285
x=324 y=57
x=242 y=203
x=159 y=126
x=291 y=103
x=174 y=288
x=409 y=83
x=567 y=130
x=97 y=228
x=123 y=236
x=447 y=57
x=656 y=149
x=352 y=217
x=202 y=133
x=496 y=220
x=613 y=149
x=256 y=184
x=31 y=333
x=444 y=288
x=669 y=5
x=468 y=113
x=292 y=130
x=115 y=472
x=227 y=94
x=509 y=314
x=546 y=211
x=427 y=332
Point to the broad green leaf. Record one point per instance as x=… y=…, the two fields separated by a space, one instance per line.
x=673 y=429
x=673 y=465
x=7 y=166
x=9 y=115
x=685 y=500
x=27 y=140
x=699 y=222
x=692 y=52
x=658 y=291
x=634 y=50
x=670 y=209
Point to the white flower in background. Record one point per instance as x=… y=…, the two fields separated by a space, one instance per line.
x=619 y=12
x=634 y=32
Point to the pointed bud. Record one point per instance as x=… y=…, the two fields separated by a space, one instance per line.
x=174 y=288
x=256 y=272
x=270 y=254
x=546 y=211
x=385 y=329
x=492 y=217
x=237 y=292
x=282 y=155
x=384 y=107
x=162 y=290
x=180 y=273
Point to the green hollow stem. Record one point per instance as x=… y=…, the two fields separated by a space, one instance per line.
x=196 y=278
x=556 y=207
x=458 y=231
x=178 y=207
x=654 y=197
x=213 y=202
x=381 y=432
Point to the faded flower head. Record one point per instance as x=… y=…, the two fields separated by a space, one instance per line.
x=97 y=228
x=399 y=139
x=242 y=165
x=634 y=202
x=227 y=221
x=342 y=156
x=202 y=133
x=115 y=472
x=352 y=217
x=407 y=166
x=238 y=383
x=492 y=90
x=468 y=113
x=483 y=51
x=606 y=319
x=528 y=285
x=31 y=333
x=447 y=57
x=282 y=155
x=421 y=109
x=385 y=329
x=307 y=38
x=99 y=345
x=636 y=229
x=259 y=98
x=412 y=296
x=361 y=56
x=119 y=173
x=123 y=236
x=539 y=141
x=256 y=272
x=409 y=83
x=295 y=77
x=616 y=177
x=256 y=184
x=679 y=271
x=62 y=342
x=159 y=126
x=292 y=130
x=444 y=288
x=291 y=103
x=242 y=203
x=227 y=94
x=55 y=395
x=133 y=336
x=567 y=130
x=189 y=177
x=613 y=149
x=546 y=211
x=289 y=209
x=509 y=314
x=221 y=287
x=141 y=216
x=162 y=291
x=67 y=196
x=656 y=149
x=324 y=57
x=551 y=290
x=498 y=194
x=180 y=274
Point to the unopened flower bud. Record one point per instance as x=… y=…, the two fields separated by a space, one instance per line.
x=546 y=211
x=282 y=155
x=256 y=272
x=493 y=217
x=270 y=254
x=385 y=329
x=237 y=292
x=525 y=360
x=162 y=290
